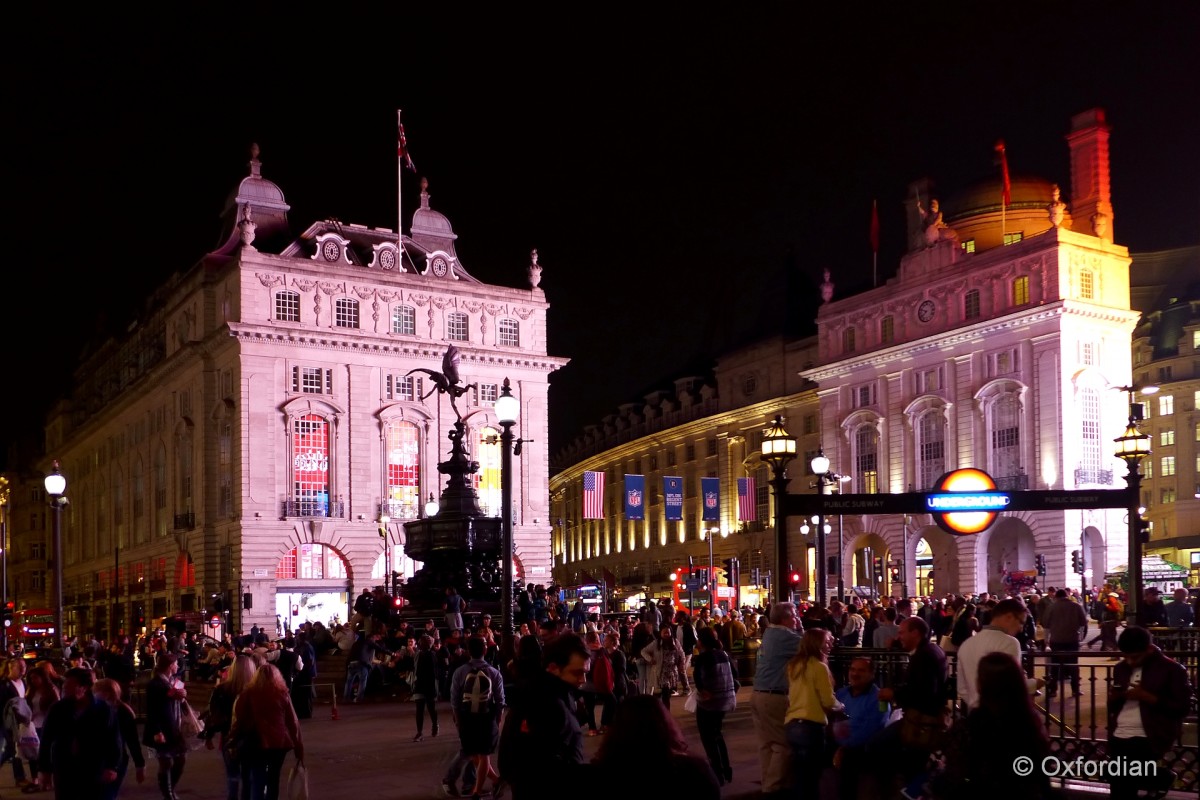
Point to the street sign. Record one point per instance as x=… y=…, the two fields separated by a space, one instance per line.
x=693 y=584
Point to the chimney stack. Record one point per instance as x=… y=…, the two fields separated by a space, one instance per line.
x=1091 y=186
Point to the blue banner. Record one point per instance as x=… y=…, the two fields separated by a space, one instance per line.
x=673 y=498
x=635 y=497
x=710 y=494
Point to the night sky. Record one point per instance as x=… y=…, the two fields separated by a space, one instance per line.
x=685 y=176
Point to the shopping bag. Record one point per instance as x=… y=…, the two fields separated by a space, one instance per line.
x=27 y=741
x=189 y=724
x=693 y=697
x=298 y=782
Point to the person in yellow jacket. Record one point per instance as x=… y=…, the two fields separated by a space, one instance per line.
x=810 y=699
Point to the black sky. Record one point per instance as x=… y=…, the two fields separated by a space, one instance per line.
x=673 y=167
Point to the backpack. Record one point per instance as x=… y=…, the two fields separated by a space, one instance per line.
x=602 y=673
x=477 y=694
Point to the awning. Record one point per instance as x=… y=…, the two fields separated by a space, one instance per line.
x=1156 y=568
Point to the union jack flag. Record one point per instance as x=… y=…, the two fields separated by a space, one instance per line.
x=593 y=495
x=402 y=145
x=747 y=508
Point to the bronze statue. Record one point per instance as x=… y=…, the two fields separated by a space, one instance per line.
x=447 y=380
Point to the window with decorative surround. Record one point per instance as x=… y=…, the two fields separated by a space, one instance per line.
x=287 y=306
x=971 y=304
x=509 y=331
x=1020 y=290
x=931 y=432
x=310 y=466
x=404 y=320
x=1087 y=284
x=405 y=388
x=866 y=460
x=403 y=443
x=487 y=479
x=848 y=342
x=345 y=313
x=887 y=330
x=457 y=329
x=312 y=380
x=488 y=392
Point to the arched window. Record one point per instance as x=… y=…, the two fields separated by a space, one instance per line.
x=1006 y=437
x=183 y=456
x=314 y=562
x=287 y=306
x=1091 y=450
x=487 y=479
x=866 y=460
x=403 y=470
x=160 y=490
x=225 y=467
x=345 y=313
x=310 y=466
x=931 y=444
x=404 y=320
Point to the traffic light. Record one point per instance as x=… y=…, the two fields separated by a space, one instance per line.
x=793 y=576
x=395 y=583
x=9 y=608
x=756 y=576
x=731 y=571
x=1143 y=530
x=139 y=617
x=1040 y=560
x=877 y=567
x=895 y=574
x=1076 y=562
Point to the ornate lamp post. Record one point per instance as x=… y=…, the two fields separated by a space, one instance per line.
x=826 y=480
x=384 y=519
x=508 y=410
x=1132 y=447
x=778 y=450
x=56 y=486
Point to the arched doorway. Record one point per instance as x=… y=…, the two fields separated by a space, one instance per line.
x=935 y=556
x=869 y=565
x=1096 y=566
x=1010 y=547
x=312 y=585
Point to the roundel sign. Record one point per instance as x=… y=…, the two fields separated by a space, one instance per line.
x=966 y=502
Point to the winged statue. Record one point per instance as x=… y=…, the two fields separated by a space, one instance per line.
x=447 y=381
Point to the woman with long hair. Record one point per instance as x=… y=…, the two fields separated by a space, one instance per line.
x=713 y=674
x=810 y=699
x=165 y=695
x=643 y=740
x=109 y=690
x=220 y=719
x=425 y=686
x=665 y=659
x=264 y=729
x=982 y=747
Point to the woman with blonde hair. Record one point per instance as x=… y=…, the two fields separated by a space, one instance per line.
x=220 y=718
x=109 y=691
x=810 y=699
x=264 y=729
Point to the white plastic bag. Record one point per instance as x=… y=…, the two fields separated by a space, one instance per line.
x=27 y=741
x=298 y=782
x=693 y=697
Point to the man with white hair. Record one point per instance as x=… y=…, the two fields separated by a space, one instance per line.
x=769 y=701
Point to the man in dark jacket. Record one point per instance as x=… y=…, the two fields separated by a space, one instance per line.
x=541 y=746
x=1153 y=611
x=81 y=742
x=1146 y=706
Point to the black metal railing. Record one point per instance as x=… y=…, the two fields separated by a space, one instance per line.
x=1076 y=724
x=1012 y=483
x=185 y=521
x=314 y=508
x=1093 y=477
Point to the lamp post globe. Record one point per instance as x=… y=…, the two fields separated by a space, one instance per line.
x=56 y=487
x=778 y=449
x=431 y=506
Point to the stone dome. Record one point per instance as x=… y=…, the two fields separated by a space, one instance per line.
x=431 y=223
x=984 y=197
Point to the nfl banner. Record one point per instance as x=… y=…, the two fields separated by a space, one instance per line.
x=747 y=510
x=673 y=498
x=710 y=491
x=635 y=497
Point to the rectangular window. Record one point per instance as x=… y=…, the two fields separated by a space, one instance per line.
x=671 y=457
x=1087 y=285
x=510 y=333
x=887 y=330
x=810 y=424
x=1148 y=468
x=968 y=246
x=1087 y=353
x=456 y=327
x=1003 y=363
x=1166 y=438
x=929 y=380
x=848 y=343
x=1168 y=466
x=488 y=392
x=712 y=447
x=1020 y=290
x=1166 y=405
x=1167 y=495
x=345 y=313
x=971 y=304
x=404 y=320
x=864 y=396
x=312 y=380
x=1165 y=374
x=691 y=452
x=287 y=306
x=1013 y=238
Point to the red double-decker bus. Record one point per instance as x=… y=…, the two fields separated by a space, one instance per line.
x=32 y=628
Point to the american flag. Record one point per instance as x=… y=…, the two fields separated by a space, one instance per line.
x=747 y=508
x=593 y=495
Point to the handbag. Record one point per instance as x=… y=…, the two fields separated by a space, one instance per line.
x=189 y=724
x=27 y=741
x=693 y=698
x=298 y=782
x=946 y=644
x=922 y=731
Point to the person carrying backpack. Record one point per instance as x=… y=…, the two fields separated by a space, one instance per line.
x=476 y=700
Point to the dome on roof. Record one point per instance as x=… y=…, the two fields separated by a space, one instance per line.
x=1027 y=192
x=433 y=223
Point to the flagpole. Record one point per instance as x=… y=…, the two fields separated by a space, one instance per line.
x=399 y=199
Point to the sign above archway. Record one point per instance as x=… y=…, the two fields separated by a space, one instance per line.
x=966 y=502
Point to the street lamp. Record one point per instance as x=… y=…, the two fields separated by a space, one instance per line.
x=1132 y=447
x=4 y=495
x=431 y=506
x=508 y=410
x=778 y=450
x=56 y=486
x=384 y=519
x=826 y=480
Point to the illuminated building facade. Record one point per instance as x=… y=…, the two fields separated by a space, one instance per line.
x=244 y=445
